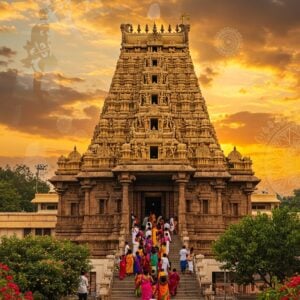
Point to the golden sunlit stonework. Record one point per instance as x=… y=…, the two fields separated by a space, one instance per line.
x=154 y=149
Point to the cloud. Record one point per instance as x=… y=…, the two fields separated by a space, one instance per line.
x=64 y=79
x=7 y=52
x=242 y=128
x=40 y=112
x=207 y=76
x=7 y=28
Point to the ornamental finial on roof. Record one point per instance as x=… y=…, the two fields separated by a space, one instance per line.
x=154 y=28
x=162 y=28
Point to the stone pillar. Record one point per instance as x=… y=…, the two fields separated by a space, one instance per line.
x=181 y=206
x=86 y=187
x=60 y=191
x=181 y=178
x=125 y=207
x=249 y=204
x=87 y=201
x=219 y=202
x=125 y=179
x=219 y=186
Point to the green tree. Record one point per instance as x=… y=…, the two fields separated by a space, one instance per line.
x=10 y=199
x=22 y=182
x=292 y=202
x=44 y=264
x=267 y=246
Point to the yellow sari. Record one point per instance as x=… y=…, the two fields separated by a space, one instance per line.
x=154 y=238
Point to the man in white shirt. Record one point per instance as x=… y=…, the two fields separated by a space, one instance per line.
x=183 y=259
x=83 y=286
x=165 y=265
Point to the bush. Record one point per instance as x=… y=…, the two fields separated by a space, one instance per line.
x=44 y=264
x=288 y=291
x=9 y=290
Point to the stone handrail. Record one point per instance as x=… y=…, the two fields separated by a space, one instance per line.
x=106 y=284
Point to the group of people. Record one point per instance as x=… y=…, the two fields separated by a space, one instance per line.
x=148 y=259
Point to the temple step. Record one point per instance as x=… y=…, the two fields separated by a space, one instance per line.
x=188 y=287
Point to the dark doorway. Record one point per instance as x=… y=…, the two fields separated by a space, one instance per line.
x=153 y=204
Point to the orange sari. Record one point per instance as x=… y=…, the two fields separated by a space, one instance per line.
x=163 y=291
x=129 y=264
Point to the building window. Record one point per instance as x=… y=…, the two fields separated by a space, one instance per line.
x=205 y=206
x=47 y=231
x=154 y=49
x=74 y=209
x=119 y=205
x=39 y=231
x=154 y=62
x=154 y=124
x=47 y=206
x=154 y=99
x=101 y=206
x=26 y=231
x=235 y=209
x=154 y=79
x=43 y=231
x=153 y=152
x=188 y=205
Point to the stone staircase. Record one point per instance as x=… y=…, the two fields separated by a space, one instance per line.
x=188 y=288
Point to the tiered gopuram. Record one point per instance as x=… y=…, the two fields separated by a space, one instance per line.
x=154 y=149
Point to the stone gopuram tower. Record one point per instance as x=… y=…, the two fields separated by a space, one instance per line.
x=154 y=149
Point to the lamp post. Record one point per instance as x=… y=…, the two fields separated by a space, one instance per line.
x=39 y=167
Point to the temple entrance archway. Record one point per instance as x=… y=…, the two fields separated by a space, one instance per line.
x=153 y=205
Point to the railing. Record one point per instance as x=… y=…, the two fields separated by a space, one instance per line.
x=104 y=288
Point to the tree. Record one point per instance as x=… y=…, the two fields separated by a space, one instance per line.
x=10 y=199
x=21 y=182
x=44 y=264
x=292 y=202
x=267 y=246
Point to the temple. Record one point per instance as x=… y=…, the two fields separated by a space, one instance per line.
x=153 y=149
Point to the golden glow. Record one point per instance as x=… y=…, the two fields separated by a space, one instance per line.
x=244 y=93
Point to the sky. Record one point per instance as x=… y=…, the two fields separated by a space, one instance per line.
x=246 y=55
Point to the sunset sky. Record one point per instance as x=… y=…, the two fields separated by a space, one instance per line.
x=246 y=55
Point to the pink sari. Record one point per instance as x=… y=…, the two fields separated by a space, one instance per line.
x=173 y=282
x=122 y=271
x=146 y=288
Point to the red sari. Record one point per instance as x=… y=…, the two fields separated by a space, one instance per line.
x=173 y=282
x=122 y=271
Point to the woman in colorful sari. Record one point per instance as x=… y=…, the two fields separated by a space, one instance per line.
x=137 y=263
x=122 y=271
x=146 y=286
x=154 y=235
x=137 y=284
x=163 y=287
x=129 y=263
x=154 y=260
x=174 y=279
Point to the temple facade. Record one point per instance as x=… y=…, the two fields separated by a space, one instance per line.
x=153 y=149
